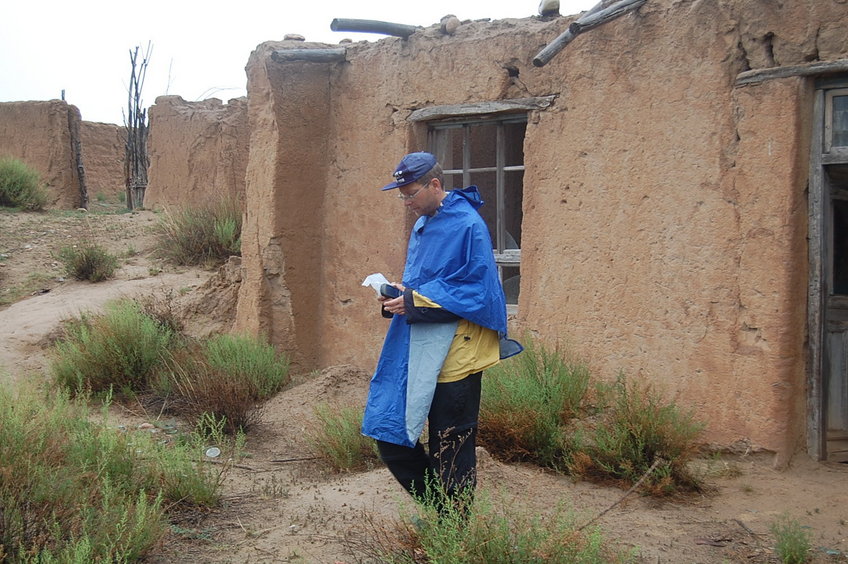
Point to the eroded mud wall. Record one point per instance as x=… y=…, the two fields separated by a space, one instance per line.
x=40 y=134
x=664 y=212
x=103 y=154
x=198 y=152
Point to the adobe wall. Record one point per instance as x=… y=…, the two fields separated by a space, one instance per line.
x=103 y=155
x=198 y=152
x=664 y=208
x=40 y=134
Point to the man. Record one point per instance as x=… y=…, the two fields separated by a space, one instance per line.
x=446 y=329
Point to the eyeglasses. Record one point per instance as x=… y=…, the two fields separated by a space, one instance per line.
x=405 y=198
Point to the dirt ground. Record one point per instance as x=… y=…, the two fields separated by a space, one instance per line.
x=281 y=505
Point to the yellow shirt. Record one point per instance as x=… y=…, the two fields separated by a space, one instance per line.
x=474 y=348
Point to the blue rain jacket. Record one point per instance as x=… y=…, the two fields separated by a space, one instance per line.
x=450 y=261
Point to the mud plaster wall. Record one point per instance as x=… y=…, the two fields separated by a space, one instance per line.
x=664 y=209
x=103 y=154
x=40 y=134
x=198 y=152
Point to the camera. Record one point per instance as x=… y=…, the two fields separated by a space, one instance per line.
x=389 y=291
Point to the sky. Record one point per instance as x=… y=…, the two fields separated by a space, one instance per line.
x=199 y=50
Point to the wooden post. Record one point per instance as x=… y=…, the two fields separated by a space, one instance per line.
x=374 y=26
x=598 y=15
x=309 y=55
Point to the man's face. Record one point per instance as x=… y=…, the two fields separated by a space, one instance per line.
x=421 y=199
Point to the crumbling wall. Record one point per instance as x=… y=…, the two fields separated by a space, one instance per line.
x=40 y=134
x=664 y=213
x=103 y=155
x=198 y=152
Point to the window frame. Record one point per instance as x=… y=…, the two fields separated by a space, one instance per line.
x=504 y=258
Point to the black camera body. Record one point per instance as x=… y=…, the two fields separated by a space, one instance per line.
x=389 y=291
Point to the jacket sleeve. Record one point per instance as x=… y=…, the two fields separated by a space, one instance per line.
x=419 y=309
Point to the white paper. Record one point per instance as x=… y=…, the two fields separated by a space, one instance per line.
x=375 y=281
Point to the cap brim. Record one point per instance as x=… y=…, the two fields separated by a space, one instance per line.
x=395 y=184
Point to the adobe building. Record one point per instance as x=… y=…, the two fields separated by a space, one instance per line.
x=198 y=152
x=668 y=195
x=46 y=136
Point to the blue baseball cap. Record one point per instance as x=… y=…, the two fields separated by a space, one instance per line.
x=412 y=167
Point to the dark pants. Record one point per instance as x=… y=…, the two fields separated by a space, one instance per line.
x=452 y=461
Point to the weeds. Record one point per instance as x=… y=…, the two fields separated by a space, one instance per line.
x=118 y=350
x=526 y=402
x=256 y=363
x=494 y=532
x=76 y=491
x=21 y=186
x=632 y=435
x=792 y=542
x=194 y=388
x=228 y=377
x=338 y=439
x=200 y=236
x=535 y=407
x=88 y=262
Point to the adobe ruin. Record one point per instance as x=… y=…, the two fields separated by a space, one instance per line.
x=664 y=214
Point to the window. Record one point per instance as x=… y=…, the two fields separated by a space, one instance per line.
x=489 y=153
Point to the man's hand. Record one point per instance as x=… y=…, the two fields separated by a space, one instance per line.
x=394 y=305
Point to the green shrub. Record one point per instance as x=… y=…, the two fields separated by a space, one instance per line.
x=792 y=542
x=193 y=388
x=256 y=363
x=494 y=533
x=226 y=378
x=526 y=402
x=200 y=236
x=119 y=349
x=637 y=432
x=73 y=490
x=338 y=440
x=535 y=407
x=20 y=186
x=88 y=262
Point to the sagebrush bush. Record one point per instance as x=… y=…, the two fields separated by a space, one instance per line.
x=536 y=407
x=640 y=430
x=119 y=349
x=21 y=186
x=195 y=389
x=495 y=531
x=338 y=439
x=245 y=358
x=205 y=235
x=226 y=378
x=73 y=490
x=88 y=261
x=527 y=400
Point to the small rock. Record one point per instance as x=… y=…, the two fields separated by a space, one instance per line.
x=293 y=37
x=146 y=426
x=449 y=24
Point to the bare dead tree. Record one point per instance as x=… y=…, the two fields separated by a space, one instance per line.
x=135 y=122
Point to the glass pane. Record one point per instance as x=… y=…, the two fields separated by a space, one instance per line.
x=485 y=182
x=515 y=143
x=447 y=146
x=453 y=181
x=483 y=143
x=513 y=196
x=840 y=121
x=511 y=279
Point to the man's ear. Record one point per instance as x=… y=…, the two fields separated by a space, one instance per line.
x=438 y=184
